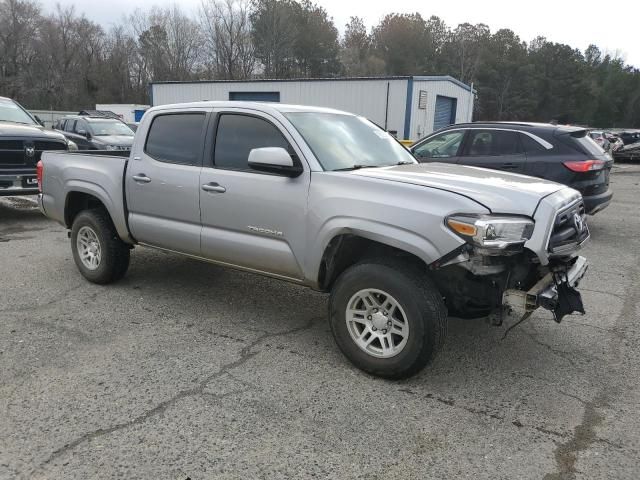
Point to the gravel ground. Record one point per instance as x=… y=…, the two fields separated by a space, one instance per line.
x=186 y=370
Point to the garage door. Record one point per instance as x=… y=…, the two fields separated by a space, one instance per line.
x=445 y=112
x=255 y=96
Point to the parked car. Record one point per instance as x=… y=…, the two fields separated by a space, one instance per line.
x=628 y=152
x=600 y=138
x=96 y=132
x=22 y=141
x=630 y=137
x=559 y=153
x=615 y=141
x=328 y=200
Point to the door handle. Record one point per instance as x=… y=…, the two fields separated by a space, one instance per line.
x=213 y=187
x=142 y=178
x=509 y=165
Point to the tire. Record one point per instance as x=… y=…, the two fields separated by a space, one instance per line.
x=95 y=228
x=420 y=306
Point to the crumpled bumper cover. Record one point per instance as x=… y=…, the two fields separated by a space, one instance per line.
x=556 y=292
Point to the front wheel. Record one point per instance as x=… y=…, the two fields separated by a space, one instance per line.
x=387 y=317
x=98 y=252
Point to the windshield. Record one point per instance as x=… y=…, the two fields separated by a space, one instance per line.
x=11 y=112
x=109 y=127
x=345 y=141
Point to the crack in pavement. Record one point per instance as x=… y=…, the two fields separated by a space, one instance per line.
x=62 y=296
x=491 y=412
x=246 y=354
x=450 y=402
x=612 y=331
x=617 y=295
x=557 y=352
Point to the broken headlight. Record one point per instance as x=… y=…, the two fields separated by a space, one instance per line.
x=492 y=232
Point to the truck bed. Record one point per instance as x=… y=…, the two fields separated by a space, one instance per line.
x=97 y=173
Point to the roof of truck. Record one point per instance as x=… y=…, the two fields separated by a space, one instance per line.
x=262 y=106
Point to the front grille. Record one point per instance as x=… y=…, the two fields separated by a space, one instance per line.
x=569 y=229
x=13 y=153
x=11 y=145
x=12 y=158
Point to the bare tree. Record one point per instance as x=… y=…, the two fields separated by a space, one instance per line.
x=226 y=26
x=20 y=21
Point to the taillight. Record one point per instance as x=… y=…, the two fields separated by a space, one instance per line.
x=39 y=172
x=585 y=165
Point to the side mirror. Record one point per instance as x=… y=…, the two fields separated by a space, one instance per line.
x=39 y=120
x=84 y=133
x=273 y=160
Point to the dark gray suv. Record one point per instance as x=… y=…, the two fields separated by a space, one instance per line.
x=96 y=132
x=564 y=154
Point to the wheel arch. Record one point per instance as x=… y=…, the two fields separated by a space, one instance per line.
x=82 y=196
x=348 y=248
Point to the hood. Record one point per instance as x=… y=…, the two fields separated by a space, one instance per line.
x=8 y=129
x=124 y=140
x=500 y=192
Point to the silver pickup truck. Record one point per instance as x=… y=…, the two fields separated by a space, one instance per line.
x=326 y=199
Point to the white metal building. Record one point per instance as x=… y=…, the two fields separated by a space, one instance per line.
x=128 y=112
x=410 y=106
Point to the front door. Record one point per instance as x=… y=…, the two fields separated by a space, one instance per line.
x=442 y=147
x=252 y=219
x=163 y=182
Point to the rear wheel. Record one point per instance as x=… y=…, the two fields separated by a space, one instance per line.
x=387 y=317
x=98 y=252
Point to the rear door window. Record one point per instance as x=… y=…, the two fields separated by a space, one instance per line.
x=69 y=126
x=176 y=138
x=530 y=145
x=483 y=143
x=238 y=134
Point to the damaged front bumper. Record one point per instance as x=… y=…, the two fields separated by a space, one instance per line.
x=556 y=292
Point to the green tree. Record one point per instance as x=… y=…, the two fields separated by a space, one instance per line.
x=561 y=86
x=504 y=78
x=316 y=47
x=357 y=54
x=274 y=33
x=401 y=41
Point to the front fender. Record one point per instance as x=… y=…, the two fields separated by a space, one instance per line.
x=384 y=233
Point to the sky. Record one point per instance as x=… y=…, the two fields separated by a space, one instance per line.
x=615 y=27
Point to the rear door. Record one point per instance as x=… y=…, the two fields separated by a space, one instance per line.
x=493 y=148
x=163 y=182
x=252 y=219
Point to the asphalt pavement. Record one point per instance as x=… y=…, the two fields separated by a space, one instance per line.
x=187 y=370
